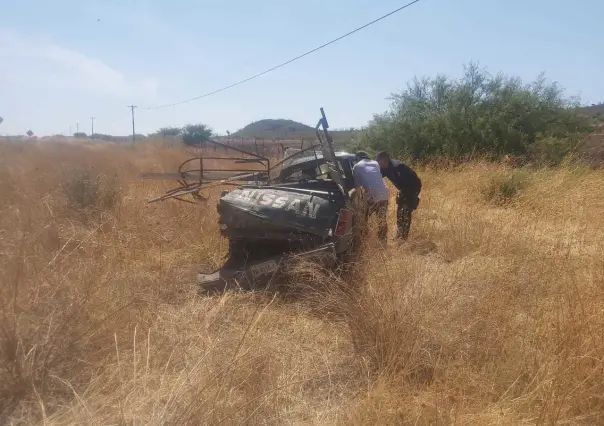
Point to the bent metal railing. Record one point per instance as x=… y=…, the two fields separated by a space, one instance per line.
x=203 y=175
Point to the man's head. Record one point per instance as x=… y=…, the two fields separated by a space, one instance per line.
x=383 y=158
x=361 y=155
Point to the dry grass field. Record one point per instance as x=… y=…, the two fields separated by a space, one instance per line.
x=492 y=313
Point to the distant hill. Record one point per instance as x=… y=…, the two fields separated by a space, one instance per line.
x=289 y=131
x=274 y=129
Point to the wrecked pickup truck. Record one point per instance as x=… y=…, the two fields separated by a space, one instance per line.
x=306 y=205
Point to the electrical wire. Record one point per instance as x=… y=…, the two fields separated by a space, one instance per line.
x=213 y=92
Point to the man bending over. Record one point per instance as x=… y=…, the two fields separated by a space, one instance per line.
x=367 y=175
x=409 y=186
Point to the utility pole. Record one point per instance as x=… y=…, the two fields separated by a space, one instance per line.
x=70 y=134
x=92 y=132
x=133 y=133
x=78 y=127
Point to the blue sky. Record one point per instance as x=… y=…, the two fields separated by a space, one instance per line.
x=66 y=60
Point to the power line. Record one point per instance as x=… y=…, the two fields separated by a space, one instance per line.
x=289 y=61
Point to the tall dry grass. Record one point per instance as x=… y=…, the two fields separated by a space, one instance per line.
x=492 y=313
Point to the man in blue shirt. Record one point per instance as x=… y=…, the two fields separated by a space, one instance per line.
x=409 y=187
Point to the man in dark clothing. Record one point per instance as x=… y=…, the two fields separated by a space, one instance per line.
x=409 y=187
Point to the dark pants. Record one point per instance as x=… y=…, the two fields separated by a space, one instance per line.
x=381 y=210
x=405 y=205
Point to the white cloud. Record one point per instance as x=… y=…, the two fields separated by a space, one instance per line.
x=41 y=61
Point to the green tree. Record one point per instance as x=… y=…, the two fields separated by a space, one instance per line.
x=478 y=114
x=169 y=131
x=192 y=134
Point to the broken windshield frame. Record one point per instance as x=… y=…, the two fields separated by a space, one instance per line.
x=311 y=170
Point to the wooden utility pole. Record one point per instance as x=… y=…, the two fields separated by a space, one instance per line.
x=133 y=132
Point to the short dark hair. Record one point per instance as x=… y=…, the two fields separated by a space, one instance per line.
x=361 y=155
x=382 y=154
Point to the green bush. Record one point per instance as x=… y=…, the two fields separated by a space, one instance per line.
x=478 y=115
x=551 y=150
x=503 y=188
